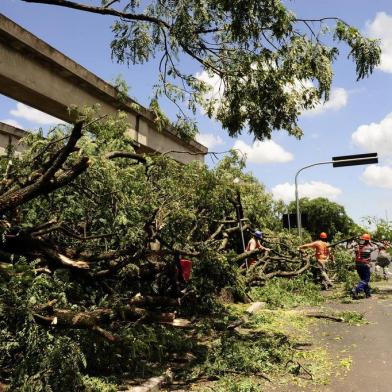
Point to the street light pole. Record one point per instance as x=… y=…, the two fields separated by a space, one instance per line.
x=238 y=207
x=299 y=225
x=337 y=162
x=239 y=218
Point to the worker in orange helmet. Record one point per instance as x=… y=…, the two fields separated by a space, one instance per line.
x=363 y=252
x=321 y=247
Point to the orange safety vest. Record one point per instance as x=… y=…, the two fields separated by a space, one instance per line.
x=321 y=249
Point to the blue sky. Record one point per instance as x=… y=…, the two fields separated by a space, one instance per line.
x=355 y=120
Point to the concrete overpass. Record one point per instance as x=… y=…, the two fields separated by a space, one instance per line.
x=34 y=73
x=10 y=135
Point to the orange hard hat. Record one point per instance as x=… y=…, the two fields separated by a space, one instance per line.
x=365 y=237
x=323 y=235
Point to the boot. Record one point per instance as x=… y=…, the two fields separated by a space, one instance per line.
x=354 y=294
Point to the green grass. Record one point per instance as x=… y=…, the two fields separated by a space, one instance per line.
x=354 y=318
x=288 y=293
x=95 y=384
x=275 y=343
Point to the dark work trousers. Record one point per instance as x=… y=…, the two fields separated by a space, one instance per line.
x=364 y=274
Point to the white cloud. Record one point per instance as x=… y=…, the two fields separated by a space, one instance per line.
x=378 y=176
x=375 y=136
x=34 y=115
x=337 y=100
x=338 y=97
x=12 y=122
x=216 y=90
x=215 y=82
x=209 y=140
x=312 y=189
x=298 y=86
x=381 y=27
x=263 y=152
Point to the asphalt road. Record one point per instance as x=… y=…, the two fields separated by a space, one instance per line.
x=369 y=346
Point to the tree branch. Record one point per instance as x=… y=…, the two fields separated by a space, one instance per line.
x=287 y=274
x=101 y=11
x=126 y=154
x=245 y=255
x=60 y=226
x=335 y=18
x=45 y=183
x=64 y=152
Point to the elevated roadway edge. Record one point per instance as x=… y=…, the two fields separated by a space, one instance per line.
x=34 y=73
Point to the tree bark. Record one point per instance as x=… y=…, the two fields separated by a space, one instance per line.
x=25 y=245
x=93 y=320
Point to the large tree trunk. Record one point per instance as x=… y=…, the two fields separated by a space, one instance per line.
x=22 y=243
x=96 y=319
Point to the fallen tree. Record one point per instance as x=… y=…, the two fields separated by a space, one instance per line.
x=90 y=224
x=92 y=235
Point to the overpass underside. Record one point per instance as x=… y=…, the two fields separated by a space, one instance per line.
x=34 y=73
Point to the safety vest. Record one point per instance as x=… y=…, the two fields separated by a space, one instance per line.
x=322 y=250
x=362 y=253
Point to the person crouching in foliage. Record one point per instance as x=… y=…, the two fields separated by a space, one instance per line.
x=255 y=243
x=363 y=252
x=322 y=254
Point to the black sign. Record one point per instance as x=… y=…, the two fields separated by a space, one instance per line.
x=353 y=160
x=290 y=220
